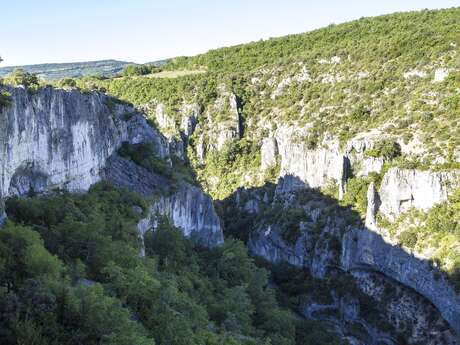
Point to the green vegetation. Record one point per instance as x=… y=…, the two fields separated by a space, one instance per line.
x=83 y=268
x=341 y=80
x=143 y=154
x=356 y=191
x=176 y=74
x=297 y=289
x=356 y=194
x=385 y=148
x=67 y=83
x=135 y=70
x=20 y=77
x=56 y=71
x=75 y=260
x=438 y=229
x=5 y=99
x=227 y=164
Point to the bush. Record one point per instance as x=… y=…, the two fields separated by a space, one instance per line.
x=21 y=77
x=356 y=194
x=387 y=149
x=143 y=154
x=5 y=99
x=67 y=83
x=408 y=238
x=137 y=70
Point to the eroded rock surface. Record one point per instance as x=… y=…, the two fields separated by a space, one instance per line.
x=55 y=138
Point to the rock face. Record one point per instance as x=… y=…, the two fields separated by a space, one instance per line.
x=190 y=210
x=373 y=203
x=190 y=113
x=269 y=151
x=224 y=123
x=66 y=139
x=268 y=244
x=403 y=189
x=125 y=173
x=57 y=139
x=363 y=249
x=315 y=167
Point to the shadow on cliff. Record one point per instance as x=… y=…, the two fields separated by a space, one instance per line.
x=289 y=222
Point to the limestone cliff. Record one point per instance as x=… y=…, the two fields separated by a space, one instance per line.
x=329 y=242
x=366 y=247
x=190 y=210
x=57 y=139
x=66 y=139
x=403 y=189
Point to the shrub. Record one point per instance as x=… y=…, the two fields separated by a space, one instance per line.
x=356 y=194
x=408 y=238
x=360 y=113
x=136 y=70
x=21 y=77
x=67 y=82
x=387 y=149
x=143 y=154
x=5 y=99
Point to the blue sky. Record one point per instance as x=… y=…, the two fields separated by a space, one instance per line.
x=38 y=31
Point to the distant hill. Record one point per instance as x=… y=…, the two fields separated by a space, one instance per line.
x=52 y=71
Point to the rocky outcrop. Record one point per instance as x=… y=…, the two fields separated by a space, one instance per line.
x=189 y=120
x=362 y=248
x=67 y=139
x=403 y=189
x=268 y=244
x=125 y=173
x=407 y=311
x=373 y=203
x=269 y=152
x=224 y=122
x=62 y=139
x=320 y=166
x=365 y=249
x=176 y=127
x=190 y=210
x=316 y=167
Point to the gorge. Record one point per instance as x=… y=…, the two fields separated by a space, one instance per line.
x=338 y=167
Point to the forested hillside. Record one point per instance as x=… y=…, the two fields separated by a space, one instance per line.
x=54 y=71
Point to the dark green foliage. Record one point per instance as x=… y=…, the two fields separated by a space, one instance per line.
x=23 y=257
x=387 y=149
x=5 y=99
x=91 y=228
x=356 y=194
x=169 y=245
x=85 y=283
x=289 y=221
x=440 y=223
x=67 y=82
x=39 y=306
x=408 y=238
x=402 y=36
x=134 y=70
x=144 y=155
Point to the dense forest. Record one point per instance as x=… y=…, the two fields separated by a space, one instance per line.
x=71 y=274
